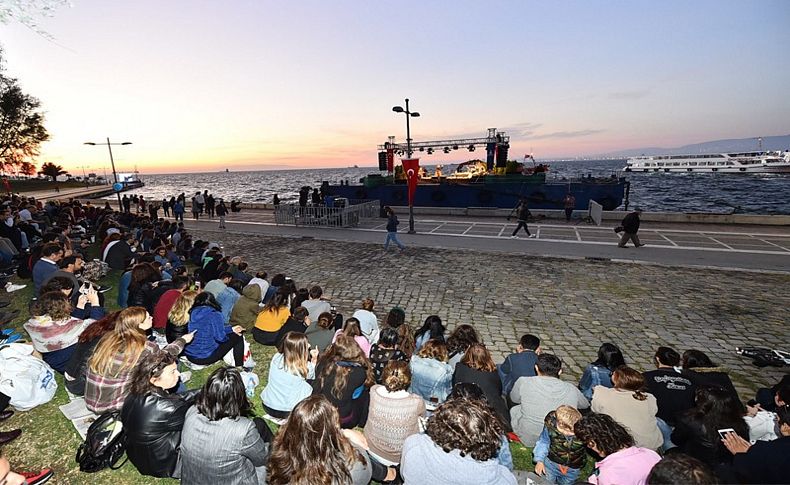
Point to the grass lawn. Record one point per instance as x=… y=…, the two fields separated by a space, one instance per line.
x=50 y=440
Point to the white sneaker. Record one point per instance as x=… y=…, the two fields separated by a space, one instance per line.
x=533 y=236
x=10 y=287
x=513 y=237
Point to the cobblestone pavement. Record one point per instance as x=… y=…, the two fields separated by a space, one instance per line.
x=573 y=306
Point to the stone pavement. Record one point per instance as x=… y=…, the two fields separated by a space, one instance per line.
x=573 y=305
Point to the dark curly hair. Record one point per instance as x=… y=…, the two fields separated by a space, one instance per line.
x=605 y=433
x=469 y=426
x=681 y=468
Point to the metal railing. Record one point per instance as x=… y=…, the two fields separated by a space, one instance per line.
x=345 y=215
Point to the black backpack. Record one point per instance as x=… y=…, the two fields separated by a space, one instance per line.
x=105 y=444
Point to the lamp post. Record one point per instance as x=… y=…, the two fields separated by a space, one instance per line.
x=409 y=114
x=112 y=162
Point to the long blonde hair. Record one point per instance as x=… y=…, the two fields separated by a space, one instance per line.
x=296 y=350
x=179 y=314
x=126 y=338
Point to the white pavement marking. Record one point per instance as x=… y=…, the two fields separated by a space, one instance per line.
x=578 y=236
x=725 y=245
x=784 y=251
x=468 y=229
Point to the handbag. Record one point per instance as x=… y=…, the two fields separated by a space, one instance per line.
x=619 y=229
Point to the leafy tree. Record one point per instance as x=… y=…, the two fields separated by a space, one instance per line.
x=51 y=170
x=21 y=123
x=27 y=168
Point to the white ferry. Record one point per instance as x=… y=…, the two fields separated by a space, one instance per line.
x=746 y=162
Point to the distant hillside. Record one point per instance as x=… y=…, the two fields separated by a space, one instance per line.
x=718 y=146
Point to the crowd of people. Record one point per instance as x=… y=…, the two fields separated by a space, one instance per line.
x=362 y=398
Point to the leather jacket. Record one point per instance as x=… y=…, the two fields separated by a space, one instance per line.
x=153 y=426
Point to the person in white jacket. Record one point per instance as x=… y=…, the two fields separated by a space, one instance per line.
x=368 y=321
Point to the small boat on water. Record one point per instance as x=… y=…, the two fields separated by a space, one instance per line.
x=746 y=162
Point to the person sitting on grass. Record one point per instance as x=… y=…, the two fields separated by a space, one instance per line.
x=460 y=446
x=228 y=297
x=271 y=319
x=672 y=387
x=559 y=455
x=246 y=309
x=599 y=373
x=386 y=351
x=213 y=339
x=432 y=329
x=8 y=477
x=153 y=418
x=763 y=461
x=219 y=442
x=321 y=332
x=623 y=462
x=432 y=376
x=289 y=372
x=75 y=372
x=54 y=331
x=394 y=412
x=297 y=322
x=519 y=364
x=312 y=448
x=352 y=329
x=537 y=396
x=396 y=319
x=629 y=405
x=344 y=375
x=459 y=341
x=115 y=357
x=368 y=322
x=478 y=367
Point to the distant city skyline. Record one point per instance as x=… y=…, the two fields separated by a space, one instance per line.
x=202 y=86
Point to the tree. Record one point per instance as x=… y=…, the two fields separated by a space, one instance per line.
x=21 y=123
x=51 y=170
x=27 y=168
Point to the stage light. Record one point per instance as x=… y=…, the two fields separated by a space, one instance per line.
x=422 y=149
x=446 y=150
x=430 y=151
x=471 y=148
x=455 y=147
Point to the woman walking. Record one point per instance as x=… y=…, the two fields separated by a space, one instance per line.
x=392 y=229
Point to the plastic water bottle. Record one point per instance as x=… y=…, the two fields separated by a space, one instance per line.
x=250 y=381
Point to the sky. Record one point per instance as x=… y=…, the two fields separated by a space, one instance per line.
x=249 y=85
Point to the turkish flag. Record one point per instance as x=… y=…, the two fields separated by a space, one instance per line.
x=411 y=167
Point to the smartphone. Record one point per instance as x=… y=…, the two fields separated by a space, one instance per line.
x=333 y=309
x=723 y=432
x=84 y=288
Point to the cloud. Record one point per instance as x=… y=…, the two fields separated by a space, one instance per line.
x=566 y=134
x=629 y=94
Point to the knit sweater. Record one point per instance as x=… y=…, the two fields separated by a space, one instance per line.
x=393 y=417
x=49 y=335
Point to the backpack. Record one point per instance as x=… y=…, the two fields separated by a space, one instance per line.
x=104 y=444
x=95 y=270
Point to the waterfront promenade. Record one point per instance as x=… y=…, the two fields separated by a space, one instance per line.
x=573 y=295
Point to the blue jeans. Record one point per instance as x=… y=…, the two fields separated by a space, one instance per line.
x=392 y=236
x=666 y=432
x=554 y=475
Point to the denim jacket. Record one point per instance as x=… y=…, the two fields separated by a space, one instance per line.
x=594 y=375
x=430 y=379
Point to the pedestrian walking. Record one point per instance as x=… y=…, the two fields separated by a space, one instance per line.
x=523 y=215
x=630 y=226
x=165 y=207
x=570 y=204
x=392 y=229
x=222 y=211
x=178 y=210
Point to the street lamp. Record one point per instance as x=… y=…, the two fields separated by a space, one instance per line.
x=409 y=114
x=112 y=162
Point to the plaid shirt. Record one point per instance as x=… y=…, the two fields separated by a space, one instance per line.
x=106 y=393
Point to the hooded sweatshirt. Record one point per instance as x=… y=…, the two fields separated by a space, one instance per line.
x=211 y=331
x=246 y=308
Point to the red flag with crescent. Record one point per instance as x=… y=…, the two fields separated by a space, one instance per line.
x=390 y=159
x=411 y=167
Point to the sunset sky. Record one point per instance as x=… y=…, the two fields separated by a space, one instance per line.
x=206 y=85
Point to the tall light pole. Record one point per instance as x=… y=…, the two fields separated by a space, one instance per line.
x=112 y=162
x=409 y=114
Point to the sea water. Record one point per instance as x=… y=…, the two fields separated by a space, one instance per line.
x=674 y=192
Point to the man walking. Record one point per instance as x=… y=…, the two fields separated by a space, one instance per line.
x=523 y=216
x=630 y=225
x=570 y=204
x=392 y=229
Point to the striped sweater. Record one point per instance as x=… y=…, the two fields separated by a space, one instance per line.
x=105 y=393
x=392 y=418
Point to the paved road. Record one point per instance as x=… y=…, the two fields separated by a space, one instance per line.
x=727 y=247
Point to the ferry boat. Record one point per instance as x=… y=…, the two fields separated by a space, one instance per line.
x=745 y=162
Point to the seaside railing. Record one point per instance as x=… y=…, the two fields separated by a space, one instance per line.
x=344 y=214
